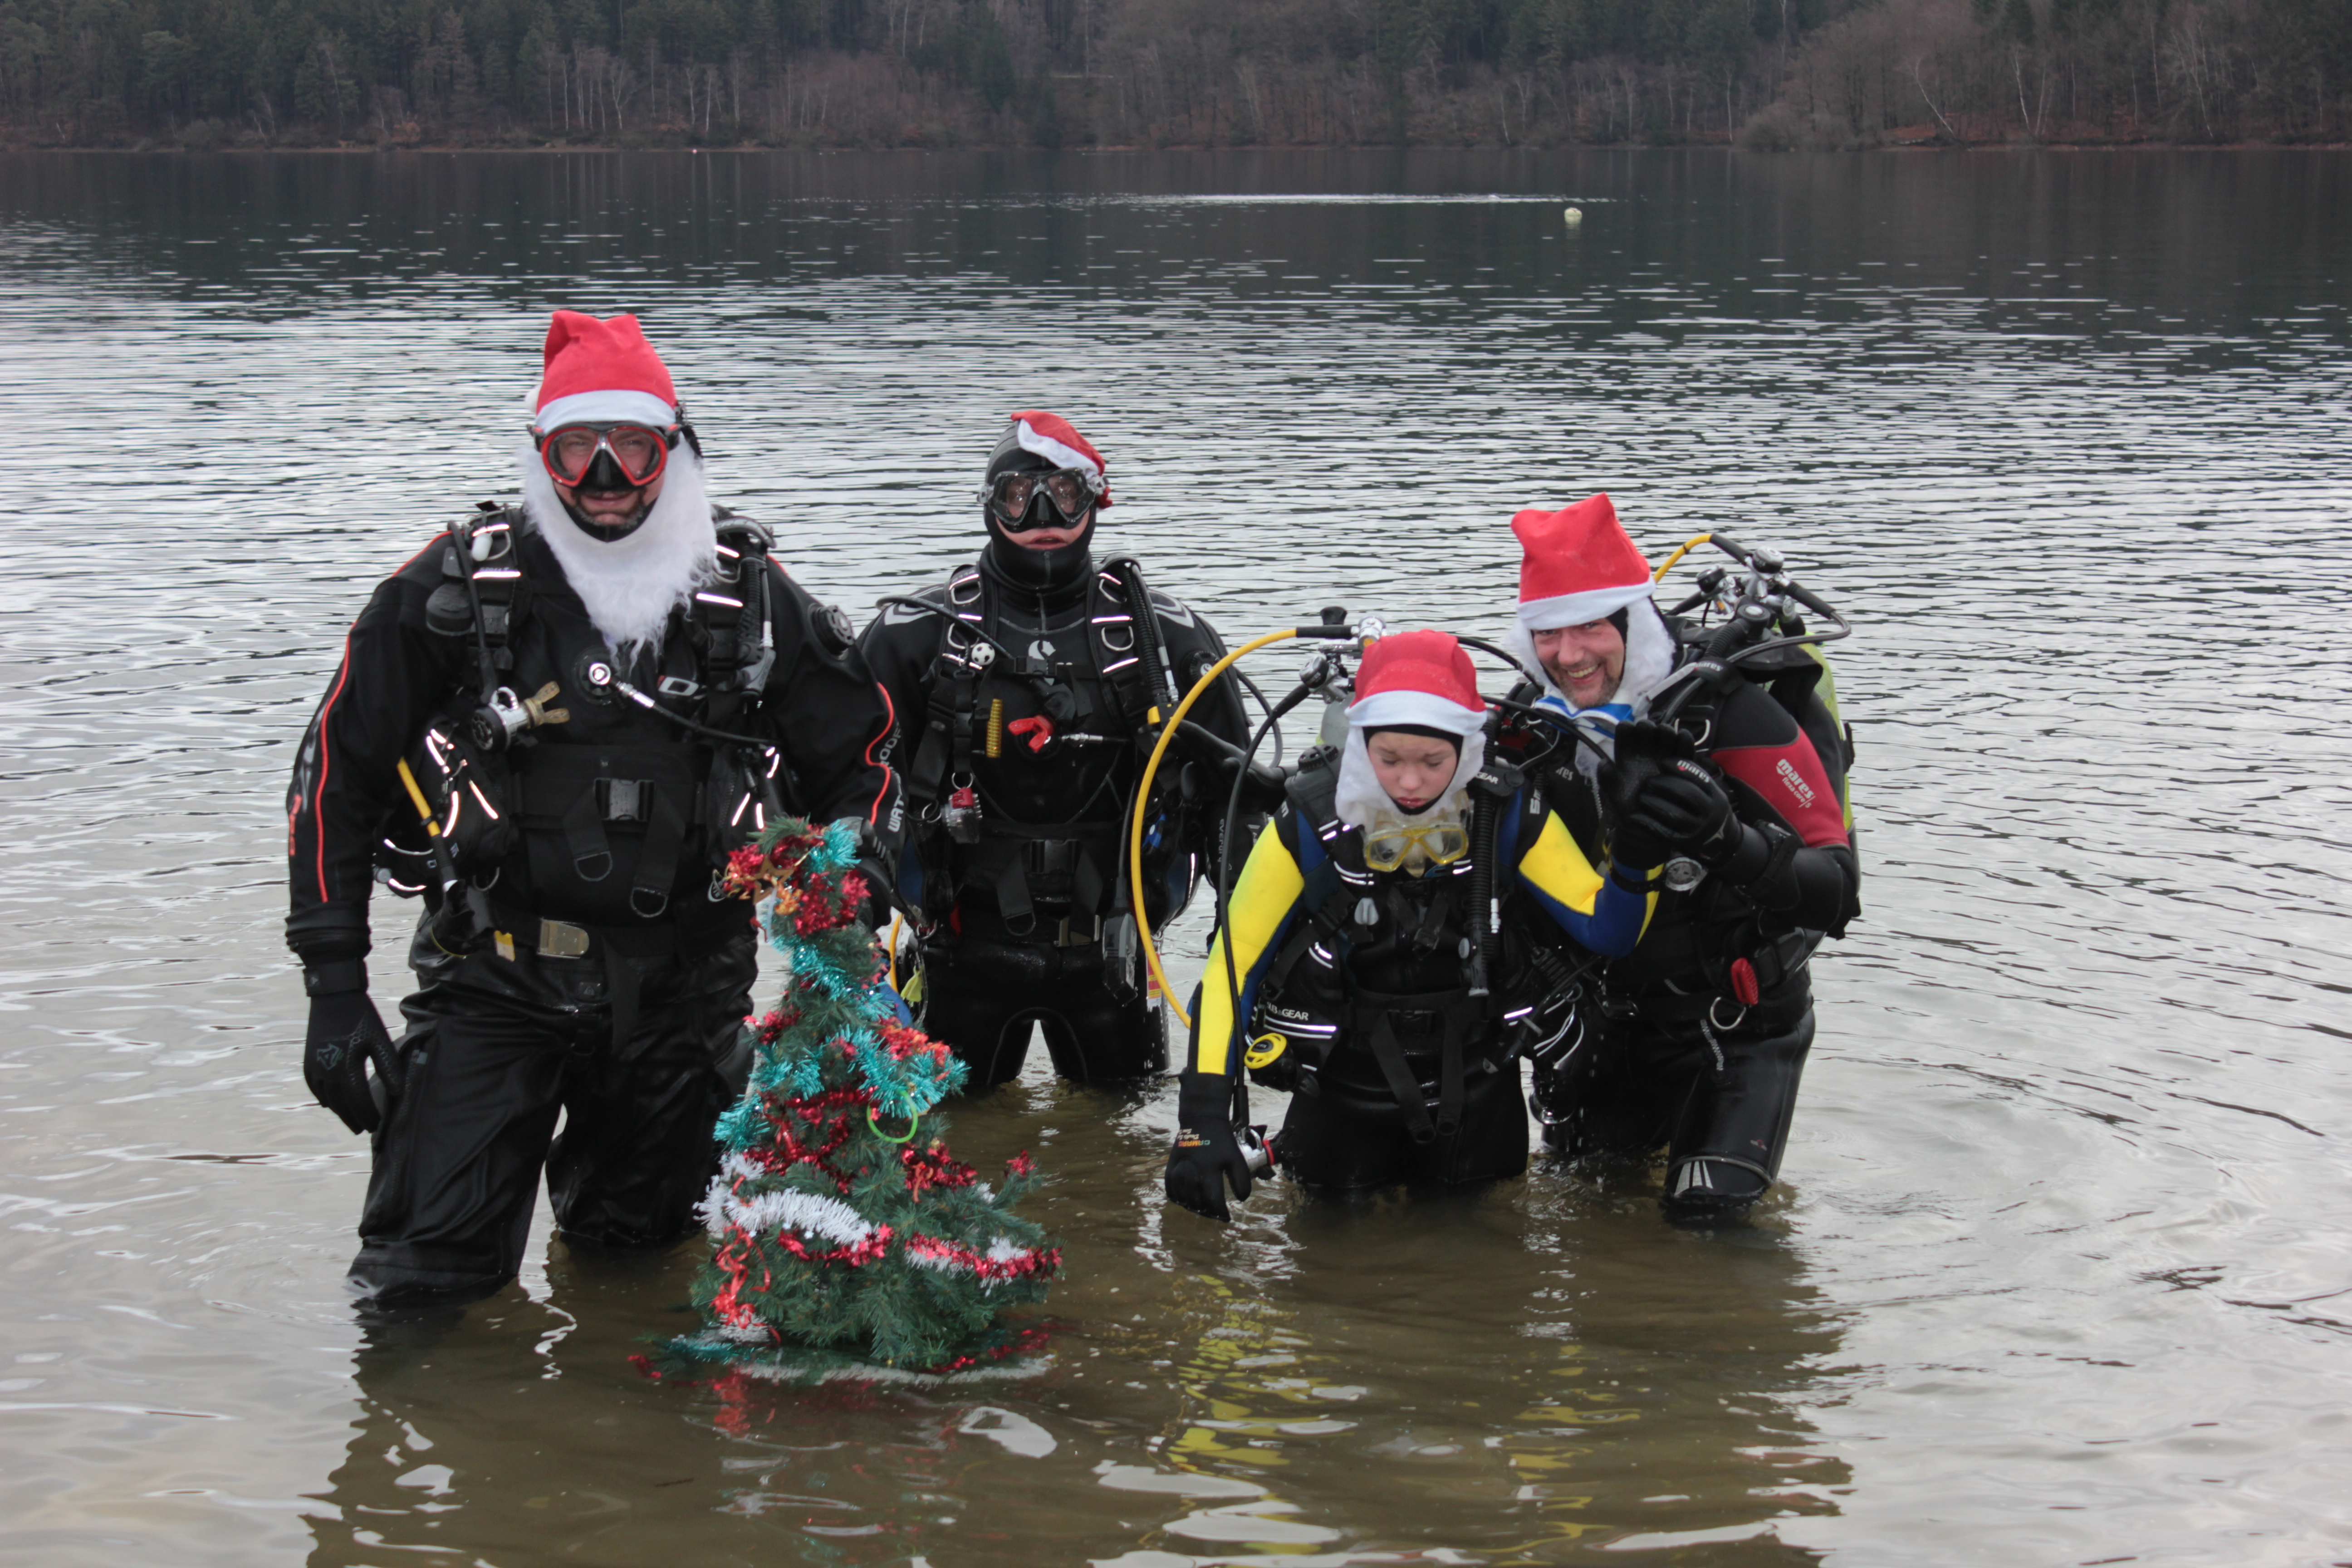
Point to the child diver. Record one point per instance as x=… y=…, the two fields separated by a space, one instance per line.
x=1357 y=954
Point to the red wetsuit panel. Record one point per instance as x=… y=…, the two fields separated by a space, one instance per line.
x=1790 y=778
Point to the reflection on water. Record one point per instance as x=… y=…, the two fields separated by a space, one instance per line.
x=2059 y=1271
x=1522 y=1371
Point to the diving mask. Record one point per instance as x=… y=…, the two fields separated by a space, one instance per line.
x=1070 y=494
x=640 y=452
x=1389 y=844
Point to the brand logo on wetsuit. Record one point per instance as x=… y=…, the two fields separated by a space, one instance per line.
x=1795 y=781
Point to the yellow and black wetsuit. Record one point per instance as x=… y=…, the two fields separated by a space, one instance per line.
x=1399 y=1072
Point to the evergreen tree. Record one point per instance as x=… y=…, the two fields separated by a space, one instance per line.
x=844 y=1235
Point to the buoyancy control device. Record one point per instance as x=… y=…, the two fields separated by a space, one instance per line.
x=613 y=790
x=1026 y=773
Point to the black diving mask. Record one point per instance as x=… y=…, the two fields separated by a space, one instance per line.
x=1068 y=494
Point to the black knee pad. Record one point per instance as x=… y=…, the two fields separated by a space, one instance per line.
x=1096 y=1037
x=978 y=996
x=1728 y=1142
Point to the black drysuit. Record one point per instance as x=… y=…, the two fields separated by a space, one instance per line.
x=1019 y=913
x=1679 y=1059
x=591 y=967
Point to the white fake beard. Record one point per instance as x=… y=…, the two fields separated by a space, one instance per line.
x=630 y=585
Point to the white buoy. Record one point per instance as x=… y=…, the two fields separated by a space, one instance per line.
x=1575 y=215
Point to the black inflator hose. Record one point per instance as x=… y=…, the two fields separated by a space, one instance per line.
x=1484 y=810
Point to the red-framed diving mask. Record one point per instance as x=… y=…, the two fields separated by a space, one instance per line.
x=575 y=454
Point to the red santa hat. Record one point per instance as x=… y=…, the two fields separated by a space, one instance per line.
x=1056 y=440
x=600 y=370
x=1578 y=565
x=1417 y=677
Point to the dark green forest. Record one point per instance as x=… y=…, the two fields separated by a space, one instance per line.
x=1764 y=74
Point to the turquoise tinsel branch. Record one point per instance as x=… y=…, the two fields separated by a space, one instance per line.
x=741 y=1125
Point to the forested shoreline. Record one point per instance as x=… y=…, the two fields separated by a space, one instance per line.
x=1762 y=74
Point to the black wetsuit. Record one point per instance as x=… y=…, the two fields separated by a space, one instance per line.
x=1679 y=1059
x=1019 y=910
x=591 y=969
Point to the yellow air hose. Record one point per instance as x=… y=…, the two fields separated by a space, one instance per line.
x=1692 y=542
x=1143 y=793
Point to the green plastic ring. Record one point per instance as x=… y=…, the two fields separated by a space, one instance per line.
x=906 y=1137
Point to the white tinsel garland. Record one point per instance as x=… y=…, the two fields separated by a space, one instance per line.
x=811 y=1213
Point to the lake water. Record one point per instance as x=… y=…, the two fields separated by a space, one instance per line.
x=2059 y=1271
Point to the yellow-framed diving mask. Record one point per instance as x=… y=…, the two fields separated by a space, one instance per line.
x=1390 y=844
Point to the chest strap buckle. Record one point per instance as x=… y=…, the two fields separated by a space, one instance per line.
x=625 y=800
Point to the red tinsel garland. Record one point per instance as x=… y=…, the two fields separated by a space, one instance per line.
x=932 y=1167
x=814 y=915
x=854 y=1254
x=1036 y=1260
x=904 y=1043
x=839 y=1109
x=734 y=1261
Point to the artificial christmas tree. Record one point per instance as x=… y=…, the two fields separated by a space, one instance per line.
x=845 y=1234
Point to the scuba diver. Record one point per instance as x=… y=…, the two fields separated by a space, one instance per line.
x=1029 y=685
x=1355 y=949
x=1714 y=757
x=556 y=722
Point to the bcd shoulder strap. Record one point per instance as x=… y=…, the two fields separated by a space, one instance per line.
x=485 y=592
x=1127 y=635
x=1328 y=893
x=481 y=591
x=951 y=712
x=734 y=632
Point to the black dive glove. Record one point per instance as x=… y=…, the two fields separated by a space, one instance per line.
x=1687 y=809
x=1683 y=808
x=346 y=1034
x=1642 y=749
x=1264 y=784
x=1637 y=848
x=1206 y=1156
